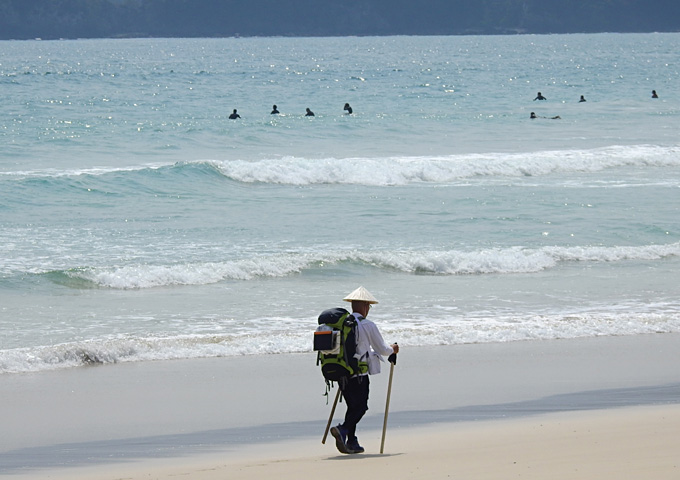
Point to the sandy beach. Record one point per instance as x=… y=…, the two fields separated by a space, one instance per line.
x=633 y=442
x=588 y=408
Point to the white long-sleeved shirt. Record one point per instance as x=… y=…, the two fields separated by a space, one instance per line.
x=370 y=344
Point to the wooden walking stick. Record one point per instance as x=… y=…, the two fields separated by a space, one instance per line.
x=393 y=361
x=330 y=419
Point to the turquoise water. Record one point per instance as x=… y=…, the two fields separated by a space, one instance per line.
x=137 y=222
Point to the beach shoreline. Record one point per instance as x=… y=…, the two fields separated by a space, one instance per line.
x=210 y=414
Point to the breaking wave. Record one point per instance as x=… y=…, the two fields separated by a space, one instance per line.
x=444 y=169
x=389 y=171
x=453 y=262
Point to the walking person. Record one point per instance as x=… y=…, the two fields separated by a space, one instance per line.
x=370 y=349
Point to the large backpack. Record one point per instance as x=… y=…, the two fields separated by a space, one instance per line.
x=336 y=344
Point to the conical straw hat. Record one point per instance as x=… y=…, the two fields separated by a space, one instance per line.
x=362 y=295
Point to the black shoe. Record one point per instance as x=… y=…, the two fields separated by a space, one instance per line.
x=353 y=446
x=340 y=434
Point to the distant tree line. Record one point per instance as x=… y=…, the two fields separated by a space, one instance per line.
x=49 y=19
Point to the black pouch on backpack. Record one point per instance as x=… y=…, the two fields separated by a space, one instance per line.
x=324 y=339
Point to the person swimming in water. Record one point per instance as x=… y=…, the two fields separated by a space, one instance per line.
x=583 y=99
x=348 y=109
x=234 y=115
x=533 y=115
x=275 y=110
x=309 y=113
x=654 y=95
x=539 y=97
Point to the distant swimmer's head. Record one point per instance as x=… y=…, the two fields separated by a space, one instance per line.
x=234 y=111
x=533 y=115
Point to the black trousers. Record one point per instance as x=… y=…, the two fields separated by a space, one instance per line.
x=355 y=393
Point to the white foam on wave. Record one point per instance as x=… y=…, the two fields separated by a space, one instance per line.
x=452 y=262
x=444 y=169
x=295 y=337
x=77 y=172
x=536 y=327
x=389 y=171
x=516 y=259
x=148 y=276
x=136 y=349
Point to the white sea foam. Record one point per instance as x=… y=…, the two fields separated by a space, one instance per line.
x=453 y=262
x=148 y=276
x=294 y=337
x=77 y=172
x=443 y=169
x=387 y=171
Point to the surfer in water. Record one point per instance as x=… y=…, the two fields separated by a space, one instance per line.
x=348 y=109
x=309 y=113
x=275 y=110
x=234 y=115
x=583 y=99
x=539 y=97
x=533 y=115
x=654 y=95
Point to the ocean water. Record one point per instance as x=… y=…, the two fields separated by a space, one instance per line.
x=139 y=223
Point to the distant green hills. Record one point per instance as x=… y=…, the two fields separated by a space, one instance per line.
x=49 y=19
